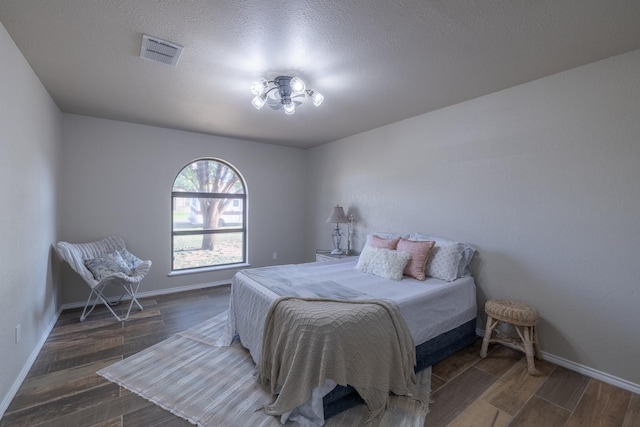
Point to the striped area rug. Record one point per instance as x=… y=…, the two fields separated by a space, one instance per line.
x=214 y=387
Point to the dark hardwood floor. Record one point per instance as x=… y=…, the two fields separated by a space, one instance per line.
x=62 y=388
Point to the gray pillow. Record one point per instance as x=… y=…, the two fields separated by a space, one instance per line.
x=107 y=265
x=132 y=261
x=449 y=260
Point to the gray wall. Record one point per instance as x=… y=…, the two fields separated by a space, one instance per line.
x=30 y=139
x=117 y=179
x=543 y=178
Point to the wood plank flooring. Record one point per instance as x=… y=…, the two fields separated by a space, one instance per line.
x=498 y=391
x=62 y=388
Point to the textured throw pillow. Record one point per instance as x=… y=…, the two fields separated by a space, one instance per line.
x=466 y=255
x=419 y=252
x=106 y=265
x=382 y=262
x=132 y=261
x=379 y=242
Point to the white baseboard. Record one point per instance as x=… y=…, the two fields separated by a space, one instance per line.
x=593 y=373
x=584 y=370
x=565 y=363
x=156 y=293
x=6 y=401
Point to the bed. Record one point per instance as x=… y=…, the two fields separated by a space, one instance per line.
x=439 y=314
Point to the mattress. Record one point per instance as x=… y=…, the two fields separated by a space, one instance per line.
x=428 y=307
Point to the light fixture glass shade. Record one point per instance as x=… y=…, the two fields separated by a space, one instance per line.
x=337 y=216
x=290 y=108
x=315 y=97
x=297 y=85
x=259 y=87
x=259 y=101
x=283 y=89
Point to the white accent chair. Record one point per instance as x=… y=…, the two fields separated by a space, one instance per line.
x=77 y=253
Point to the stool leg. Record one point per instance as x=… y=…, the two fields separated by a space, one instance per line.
x=487 y=336
x=538 y=353
x=528 y=350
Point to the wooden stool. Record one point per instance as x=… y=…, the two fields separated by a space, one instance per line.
x=523 y=318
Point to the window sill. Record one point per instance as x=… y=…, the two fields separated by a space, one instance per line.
x=208 y=269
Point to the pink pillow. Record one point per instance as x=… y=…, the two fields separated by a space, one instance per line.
x=379 y=242
x=419 y=256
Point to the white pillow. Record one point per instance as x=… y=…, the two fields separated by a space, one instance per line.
x=449 y=259
x=382 y=262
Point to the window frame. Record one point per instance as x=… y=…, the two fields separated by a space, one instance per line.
x=227 y=230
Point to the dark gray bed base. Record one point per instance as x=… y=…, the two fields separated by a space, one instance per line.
x=436 y=349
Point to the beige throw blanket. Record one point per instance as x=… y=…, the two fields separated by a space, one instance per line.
x=365 y=344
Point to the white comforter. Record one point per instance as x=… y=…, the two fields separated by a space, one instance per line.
x=429 y=307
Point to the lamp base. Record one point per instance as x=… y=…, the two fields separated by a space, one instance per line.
x=337 y=252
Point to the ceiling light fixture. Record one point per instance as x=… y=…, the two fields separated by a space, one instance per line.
x=282 y=92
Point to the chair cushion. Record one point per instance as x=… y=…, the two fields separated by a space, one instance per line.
x=107 y=265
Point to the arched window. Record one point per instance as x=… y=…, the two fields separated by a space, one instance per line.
x=209 y=214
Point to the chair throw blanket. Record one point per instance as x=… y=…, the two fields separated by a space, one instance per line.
x=365 y=344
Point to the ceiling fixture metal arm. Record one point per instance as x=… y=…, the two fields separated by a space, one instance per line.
x=280 y=91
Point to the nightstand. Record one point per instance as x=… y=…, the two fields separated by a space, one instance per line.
x=323 y=255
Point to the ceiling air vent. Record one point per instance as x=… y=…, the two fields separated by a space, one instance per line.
x=159 y=50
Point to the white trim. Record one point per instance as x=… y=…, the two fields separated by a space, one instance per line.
x=207 y=269
x=584 y=370
x=6 y=401
x=565 y=363
x=184 y=288
x=593 y=373
x=156 y=293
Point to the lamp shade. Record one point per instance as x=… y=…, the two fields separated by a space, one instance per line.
x=337 y=216
x=290 y=108
x=259 y=101
x=315 y=97
x=297 y=85
x=259 y=87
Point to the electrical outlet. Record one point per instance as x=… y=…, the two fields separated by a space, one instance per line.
x=275 y=255
x=17 y=333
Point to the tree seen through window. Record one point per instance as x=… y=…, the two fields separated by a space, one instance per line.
x=209 y=216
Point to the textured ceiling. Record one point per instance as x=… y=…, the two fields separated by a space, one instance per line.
x=375 y=61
